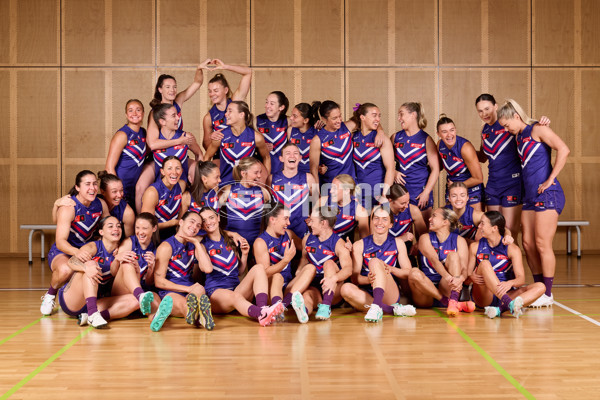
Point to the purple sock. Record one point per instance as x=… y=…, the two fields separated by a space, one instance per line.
x=328 y=298
x=92 y=307
x=505 y=306
x=254 y=311
x=275 y=299
x=262 y=299
x=287 y=300
x=454 y=295
x=105 y=314
x=52 y=291
x=444 y=301
x=387 y=309
x=548 y=282
x=538 y=278
x=378 y=296
x=137 y=292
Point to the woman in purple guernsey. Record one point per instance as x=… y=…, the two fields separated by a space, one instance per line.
x=443 y=258
x=460 y=161
x=176 y=260
x=205 y=188
x=165 y=198
x=221 y=95
x=417 y=163
x=496 y=270
x=165 y=92
x=223 y=285
x=238 y=141
x=127 y=150
x=75 y=225
x=301 y=131
x=88 y=295
x=374 y=166
x=376 y=259
x=111 y=188
x=544 y=198
x=273 y=125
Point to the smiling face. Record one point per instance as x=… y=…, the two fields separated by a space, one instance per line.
x=252 y=175
x=381 y=222
x=447 y=132
x=170 y=120
x=437 y=221
x=272 y=106
x=134 y=112
x=486 y=228
x=333 y=122
x=487 y=111
x=171 y=171
x=212 y=179
x=406 y=118
x=340 y=192
x=191 y=225
x=217 y=92
x=290 y=157
x=111 y=229
x=87 y=188
x=210 y=221
x=233 y=114
x=458 y=197
x=513 y=125
x=168 y=90
x=144 y=230
x=296 y=119
x=371 y=119
x=280 y=223
x=401 y=203
x=113 y=193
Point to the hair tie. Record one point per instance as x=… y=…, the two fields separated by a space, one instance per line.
x=356 y=107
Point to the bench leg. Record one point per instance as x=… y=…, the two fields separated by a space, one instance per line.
x=31 y=232
x=43 y=246
x=578 y=242
x=569 y=240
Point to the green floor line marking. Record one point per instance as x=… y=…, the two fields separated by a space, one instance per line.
x=485 y=355
x=39 y=369
x=579 y=300
x=23 y=329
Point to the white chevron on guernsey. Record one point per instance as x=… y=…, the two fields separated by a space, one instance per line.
x=184 y=266
x=226 y=261
x=244 y=216
x=365 y=165
x=450 y=167
x=405 y=155
x=531 y=153
x=134 y=157
x=288 y=199
x=492 y=144
x=339 y=149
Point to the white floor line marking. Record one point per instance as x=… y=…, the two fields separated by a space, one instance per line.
x=593 y=321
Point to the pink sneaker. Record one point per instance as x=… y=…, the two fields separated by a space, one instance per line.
x=269 y=313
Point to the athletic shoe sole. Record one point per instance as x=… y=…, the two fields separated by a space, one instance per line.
x=517 y=307
x=146 y=303
x=164 y=310
x=299 y=307
x=206 y=318
x=274 y=310
x=192 y=309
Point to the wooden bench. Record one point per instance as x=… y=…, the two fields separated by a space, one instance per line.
x=33 y=229
x=577 y=225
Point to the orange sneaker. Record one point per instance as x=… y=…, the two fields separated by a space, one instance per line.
x=466 y=306
x=453 y=308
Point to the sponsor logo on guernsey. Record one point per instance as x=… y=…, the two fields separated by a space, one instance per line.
x=482 y=256
x=162 y=203
x=516 y=175
x=178 y=197
x=404 y=221
x=347 y=217
x=416 y=145
x=448 y=251
x=179 y=146
x=370 y=144
x=511 y=198
x=246 y=144
x=213 y=252
x=79 y=218
x=539 y=204
x=328 y=252
x=280 y=129
x=389 y=253
x=310 y=249
x=278 y=187
x=99 y=260
x=96 y=215
x=345 y=135
x=190 y=252
x=228 y=145
x=501 y=257
x=308 y=141
x=398 y=145
x=456 y=158
x=370 y=255
x=273 y=249
x=298 y=187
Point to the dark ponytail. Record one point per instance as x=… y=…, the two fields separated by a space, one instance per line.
x=73 y=191
x=283 y=101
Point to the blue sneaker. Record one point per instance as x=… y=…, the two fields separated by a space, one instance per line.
x=323 y=312
x=299 y=307
x=146 y=302
x=164 y=310
x=205 y=315
x=492 y=312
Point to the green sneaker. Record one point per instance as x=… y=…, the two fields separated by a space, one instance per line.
x=299 y=307
x=192 y=309
x=516 y=307
x=323 y=312
x=146 y=302
x=164 y=310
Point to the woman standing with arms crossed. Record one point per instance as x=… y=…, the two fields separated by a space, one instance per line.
x=544 y=198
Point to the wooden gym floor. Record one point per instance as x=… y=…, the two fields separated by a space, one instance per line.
x=546 y=354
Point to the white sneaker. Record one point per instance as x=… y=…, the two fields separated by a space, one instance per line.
x=375 y=313
x=299 y=307
x=543 y=301
x=401 y=310
x=97 y=321
x=492 y=312
x=48 y=303
x=82 y=319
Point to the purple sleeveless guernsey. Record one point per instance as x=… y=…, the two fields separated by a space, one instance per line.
x=411 y=160
x=456 y=168
x=302 y=141
x=276 y=134
x=500 y=147
x=131 y=160
x=498 y=257
x=345 y=221
x=104 y=258
x=244 y=210
x=209 y=199
x=169 y=201
x=469 y=229
x=536 y=163
x=442 y=249
x=402 y=223
x=276 y=248
x=233 y=149
x=387 y=252
x=319 y=252
x=180 y=124
x=136 y=247
x=368 y=163
x=217 y=116
x=181 y=264
x=293 y=193
x=336 y=153
x=180 y=151
x=225 y=274
x=119 y=210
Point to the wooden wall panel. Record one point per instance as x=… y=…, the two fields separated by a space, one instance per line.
x=554 y=96
x=5 y=193
x=130 y=84
x=508 y=45
x=417 y=86
x=36 y=191
x=228 y=29
x=505 y=83
x=83 y=32
x=553 y=30
x=179 y=32
x=272 y=32
x=460 y=88
x=133 y=38
x=84 y=114
x=590 y=119
x=5 y=32
x=416 y=31
x=323 y=84
x=269 y=80
x=37 y=116
x=5 y=105
x=322 y=32
x=37 y=26
x=367 y=32
x=590 y=32
x=460 y=32
x=368 y=86
x=591 y=194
